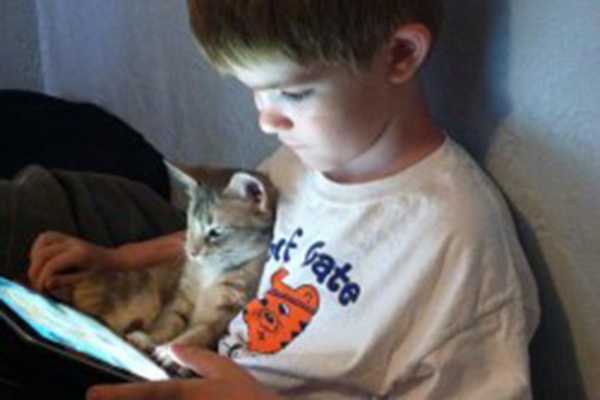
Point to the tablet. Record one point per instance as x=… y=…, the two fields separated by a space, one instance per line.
x=61 y=341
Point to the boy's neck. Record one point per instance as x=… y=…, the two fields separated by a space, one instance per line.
x=408 y=137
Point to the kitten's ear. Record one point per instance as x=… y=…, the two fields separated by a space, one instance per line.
x=180 y=181
x=185 y=190
x=249 y=187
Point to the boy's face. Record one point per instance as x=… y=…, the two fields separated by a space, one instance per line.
x=327 y=115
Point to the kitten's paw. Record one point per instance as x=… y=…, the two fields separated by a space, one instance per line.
x=140 y=340
x=163 y=353
x=164 y=356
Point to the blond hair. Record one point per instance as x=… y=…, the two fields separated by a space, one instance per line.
x=347 y=32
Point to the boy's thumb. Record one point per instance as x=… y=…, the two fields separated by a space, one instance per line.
x=205 y=363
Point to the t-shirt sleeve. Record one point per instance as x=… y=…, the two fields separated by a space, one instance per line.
x=471 y=341
x=477 y=308
x=487 y=360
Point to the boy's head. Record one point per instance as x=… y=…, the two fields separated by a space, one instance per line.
x=342 y=32
x=333 y=79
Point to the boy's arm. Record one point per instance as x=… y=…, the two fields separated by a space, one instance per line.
x=486 y=360
x=149 y=253
x=221 y=378
x=58 y=259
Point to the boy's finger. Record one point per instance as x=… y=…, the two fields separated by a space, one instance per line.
x=41 y=241
x=205 y=363
x=39 y=258
x=46 y=238
x=55 y=265
x=67 y=280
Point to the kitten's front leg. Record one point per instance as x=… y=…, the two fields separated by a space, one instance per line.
x=203 y=335
x=141 y=340
x=169 y=324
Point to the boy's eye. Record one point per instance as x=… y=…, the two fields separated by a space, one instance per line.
x=296 y=96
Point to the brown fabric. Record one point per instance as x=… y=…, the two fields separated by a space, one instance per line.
x=58 y=133
x=104 y=209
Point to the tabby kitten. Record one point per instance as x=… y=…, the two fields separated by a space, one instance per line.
x=192 y=301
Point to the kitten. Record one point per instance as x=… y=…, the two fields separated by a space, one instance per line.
x=192 y=301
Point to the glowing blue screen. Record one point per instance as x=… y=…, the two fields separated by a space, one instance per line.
x=64 y=325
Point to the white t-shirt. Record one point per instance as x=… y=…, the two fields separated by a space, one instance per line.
x=409 y=287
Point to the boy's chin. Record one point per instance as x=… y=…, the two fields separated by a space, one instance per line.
x=315 y=163
x=322 y=168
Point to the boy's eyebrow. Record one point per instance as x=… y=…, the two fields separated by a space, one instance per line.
x=298 y=80
x=273 y=85
x=279 y=84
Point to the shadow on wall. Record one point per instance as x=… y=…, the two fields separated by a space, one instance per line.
x=467 y=84
x=555 y=371
x=466 y=79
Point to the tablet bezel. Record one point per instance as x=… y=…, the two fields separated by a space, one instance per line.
x=36 y=342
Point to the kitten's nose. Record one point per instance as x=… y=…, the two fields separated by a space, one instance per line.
x=195 y=249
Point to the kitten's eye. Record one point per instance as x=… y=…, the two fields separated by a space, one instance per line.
x=213 y=235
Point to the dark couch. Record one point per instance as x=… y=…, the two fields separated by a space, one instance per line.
x=56 y=133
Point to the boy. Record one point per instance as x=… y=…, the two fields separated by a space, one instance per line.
x=395 y=271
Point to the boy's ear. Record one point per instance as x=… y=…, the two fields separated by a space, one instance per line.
x=249 y=187
x=407 y=50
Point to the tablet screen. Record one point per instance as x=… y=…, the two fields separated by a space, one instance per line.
x=63 y=325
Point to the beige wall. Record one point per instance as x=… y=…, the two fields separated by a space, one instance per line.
x=19 y=46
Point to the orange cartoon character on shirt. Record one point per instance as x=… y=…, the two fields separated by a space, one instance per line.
x=280 y=316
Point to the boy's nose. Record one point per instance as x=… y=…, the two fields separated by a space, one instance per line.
x=271 y=122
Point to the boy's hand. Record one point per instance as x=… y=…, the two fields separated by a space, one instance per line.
x=221 y=379
x=57 y=260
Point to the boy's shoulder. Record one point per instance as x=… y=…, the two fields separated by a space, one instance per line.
x=458 y=196
x=447 y=189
